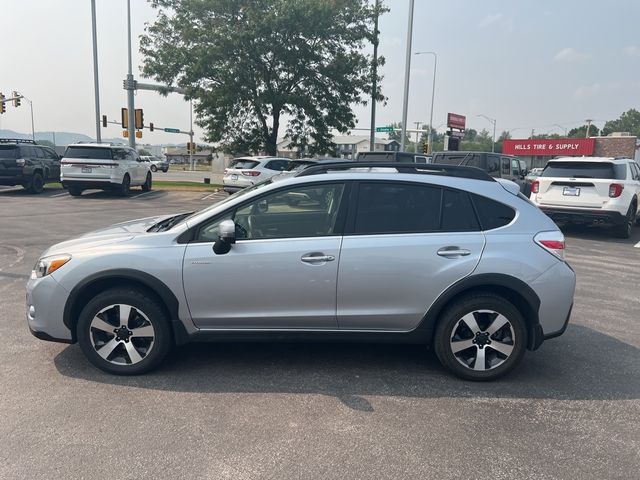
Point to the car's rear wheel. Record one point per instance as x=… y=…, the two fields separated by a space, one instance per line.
x=147 y=185
x=36 y=185
x=75 y=191
x=124 y=332
x=125 y=187
x=624 y=230
x=154 y=168
x=481 y=337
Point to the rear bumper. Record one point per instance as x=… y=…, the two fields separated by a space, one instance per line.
x=570 y=215
x=86 y=184
x=232 y=188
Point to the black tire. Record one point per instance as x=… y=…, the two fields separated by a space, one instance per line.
x=141 y=302
x=451 y=326
x=36 y=185
x=125 y=187
x=75 y=191
x=624 y=230
x=154 y=168
x=147 y=185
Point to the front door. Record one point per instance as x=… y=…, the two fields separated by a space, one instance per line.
x=405 y=245
x=282 y=270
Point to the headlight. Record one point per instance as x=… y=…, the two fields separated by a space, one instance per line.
x=48 y=265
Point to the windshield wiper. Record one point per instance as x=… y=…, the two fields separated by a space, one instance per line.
x=167 y=223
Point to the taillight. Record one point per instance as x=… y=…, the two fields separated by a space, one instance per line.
x=250 y=173
x=615 y=190
x=535 y=186
x=552 y=242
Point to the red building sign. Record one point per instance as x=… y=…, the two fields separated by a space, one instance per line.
x=549 y=147
x=455 y=120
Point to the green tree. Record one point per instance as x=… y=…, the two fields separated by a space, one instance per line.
x=581 y=132
x=396 y=135
x=143 y=152
x=629 y=121
x=249 y=65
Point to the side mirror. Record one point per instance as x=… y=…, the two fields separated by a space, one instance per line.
x=226 y=237
x=524 y=172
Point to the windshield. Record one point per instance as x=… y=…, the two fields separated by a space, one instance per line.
x=8 y=151
x=88 y=152
x=240 y=163
x=583 y=170
x=257 y=186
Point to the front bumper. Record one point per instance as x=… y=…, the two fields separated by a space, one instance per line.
x=584 y=217
x=46 y=299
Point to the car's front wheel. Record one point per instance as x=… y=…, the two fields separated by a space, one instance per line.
x=481 y=337
x=124 y=332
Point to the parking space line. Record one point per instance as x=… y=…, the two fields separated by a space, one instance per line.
x=59 y=194
x=637 y=245
x=208 y=196
x=145 y=193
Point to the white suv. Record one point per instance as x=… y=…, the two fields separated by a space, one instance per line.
x=590 y=190
x=247 y=171
x=103 y=166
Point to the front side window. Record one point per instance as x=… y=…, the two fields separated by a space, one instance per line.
x=515 y=167
x=302 y=211
x=384 y=208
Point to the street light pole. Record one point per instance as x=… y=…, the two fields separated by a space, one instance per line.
x=374 y=80
x=95 y=69
x=130 y=100
x=560 y=126
x=433 y=95
x=492 y=120
x=407 y=71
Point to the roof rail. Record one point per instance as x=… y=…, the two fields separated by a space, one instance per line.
x=17 y=140
x=417 y=168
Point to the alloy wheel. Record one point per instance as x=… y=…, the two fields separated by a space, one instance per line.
x=482 y=340
x=122 y=334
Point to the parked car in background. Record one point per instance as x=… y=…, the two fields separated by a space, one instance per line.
x=591 y=191
x=495 y=164
x=24 y=162
x=245 y=172
x=103 y=166
x=156 y=163
x=533 y=174
x=402 y=157
x=444 y=257
x=297 y=165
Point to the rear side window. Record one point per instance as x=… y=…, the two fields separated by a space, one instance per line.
x=457 y=212
x=397 y=208
x=492 y=214
x=88 y=152
x=243 y=164
x=585 y=170
x=493 y=165
x=8 y=151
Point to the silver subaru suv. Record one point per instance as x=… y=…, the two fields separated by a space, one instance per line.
x=443 y=256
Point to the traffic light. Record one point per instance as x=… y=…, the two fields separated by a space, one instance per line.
x=124 y=117
x=139 y=119
x=104 y=121
x=125 y=133
x=151 y=127
x=3 y=108
x=16 y=99
x=138 y=134
x=191 y=147
x=425 y=147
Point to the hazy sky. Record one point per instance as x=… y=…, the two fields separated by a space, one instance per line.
x=527 y=63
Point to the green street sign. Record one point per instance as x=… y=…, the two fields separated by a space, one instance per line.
x=384 y=129
x=172 y=130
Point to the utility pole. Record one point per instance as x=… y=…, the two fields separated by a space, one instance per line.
x=493 y=120
x=374 y=79
x=588 y=120
x=95 y=70
x=407 y=71
x=433 y=96
x=191 y=135
x=130 y=86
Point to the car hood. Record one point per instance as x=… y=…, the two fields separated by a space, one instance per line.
x=117 y=233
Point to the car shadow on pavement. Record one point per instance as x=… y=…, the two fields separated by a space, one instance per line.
x=583 y=364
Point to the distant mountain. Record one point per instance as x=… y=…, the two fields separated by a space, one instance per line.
x=62 y=138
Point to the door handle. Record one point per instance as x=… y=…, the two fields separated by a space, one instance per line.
x=317 y=258
x=451 y=252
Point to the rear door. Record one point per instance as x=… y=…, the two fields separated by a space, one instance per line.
x=53 y=162
x=404 y=244
x=8 y=155
x=576 y=183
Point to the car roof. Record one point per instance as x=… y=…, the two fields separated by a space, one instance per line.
x=618 y=160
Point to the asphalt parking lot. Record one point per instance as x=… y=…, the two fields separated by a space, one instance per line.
x=274 y=411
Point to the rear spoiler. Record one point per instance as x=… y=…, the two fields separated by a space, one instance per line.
x=511 y=187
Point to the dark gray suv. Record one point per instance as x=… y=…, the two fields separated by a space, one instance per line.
x=23 y=162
